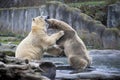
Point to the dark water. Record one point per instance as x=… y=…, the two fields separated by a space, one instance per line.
x=106 y=62
x=102 y=60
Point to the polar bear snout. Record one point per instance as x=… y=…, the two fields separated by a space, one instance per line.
x=47 y=17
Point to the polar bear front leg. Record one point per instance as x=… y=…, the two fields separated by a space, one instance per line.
x=55 y=50
x=57 y=36
x=51 y=40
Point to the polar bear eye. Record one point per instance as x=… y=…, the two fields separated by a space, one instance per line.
x=33 y=19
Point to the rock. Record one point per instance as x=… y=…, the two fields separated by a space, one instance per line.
x=113 y=18
x=79 y=21
x=106 y=60
x=58 y=10
x=8 y=49
x=25 y=70
x=49 y=70
x=111 y=38
x=105 y=66
x=92 y=32
x=11 y=45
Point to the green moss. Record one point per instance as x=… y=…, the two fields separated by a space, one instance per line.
x=85 y=17
x=118 y=26
x=9 y=53
x=108 y=2
x=99 y=25
x=53 y=2
x=13 y=40
x=95 y=9
x=71 y=9
x=112 y=30
x=93 y=3
x=14 y=8
x=91 y=40
x=6 y=33
x=60 y=4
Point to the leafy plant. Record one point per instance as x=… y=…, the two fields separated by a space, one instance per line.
x=111 y=1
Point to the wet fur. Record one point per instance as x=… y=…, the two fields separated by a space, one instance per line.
x=73 y=46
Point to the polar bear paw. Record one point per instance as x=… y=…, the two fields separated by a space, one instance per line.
x=61 y=33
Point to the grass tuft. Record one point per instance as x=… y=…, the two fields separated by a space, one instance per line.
x=93 y=3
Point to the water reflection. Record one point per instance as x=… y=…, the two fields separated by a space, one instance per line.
x=103 y=61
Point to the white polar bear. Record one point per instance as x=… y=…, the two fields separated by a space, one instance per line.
x=37 y=41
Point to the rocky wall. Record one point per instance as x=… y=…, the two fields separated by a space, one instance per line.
x=18 y=20
x=113 y=17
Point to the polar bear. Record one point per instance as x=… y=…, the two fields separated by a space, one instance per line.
x=37 y=41
x=73 y=46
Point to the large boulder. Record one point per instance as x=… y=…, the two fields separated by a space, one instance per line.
x=113 y=19
x=93 y=33
x=111 y=38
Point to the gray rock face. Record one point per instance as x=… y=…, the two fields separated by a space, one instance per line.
x=113 y=15
x=18 y=20
x=93 y=33
x=111 y=38
x=8 y=49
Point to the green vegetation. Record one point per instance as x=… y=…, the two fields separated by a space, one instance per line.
x=93 y=3
x=13 y=40
x=91 y=40
x=118 y=26
x=97 y=9
x=112 y=31
x=14 y=8
x=111 y=1
x=9 y=53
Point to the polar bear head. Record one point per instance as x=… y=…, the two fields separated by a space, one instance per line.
x=39 y=23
